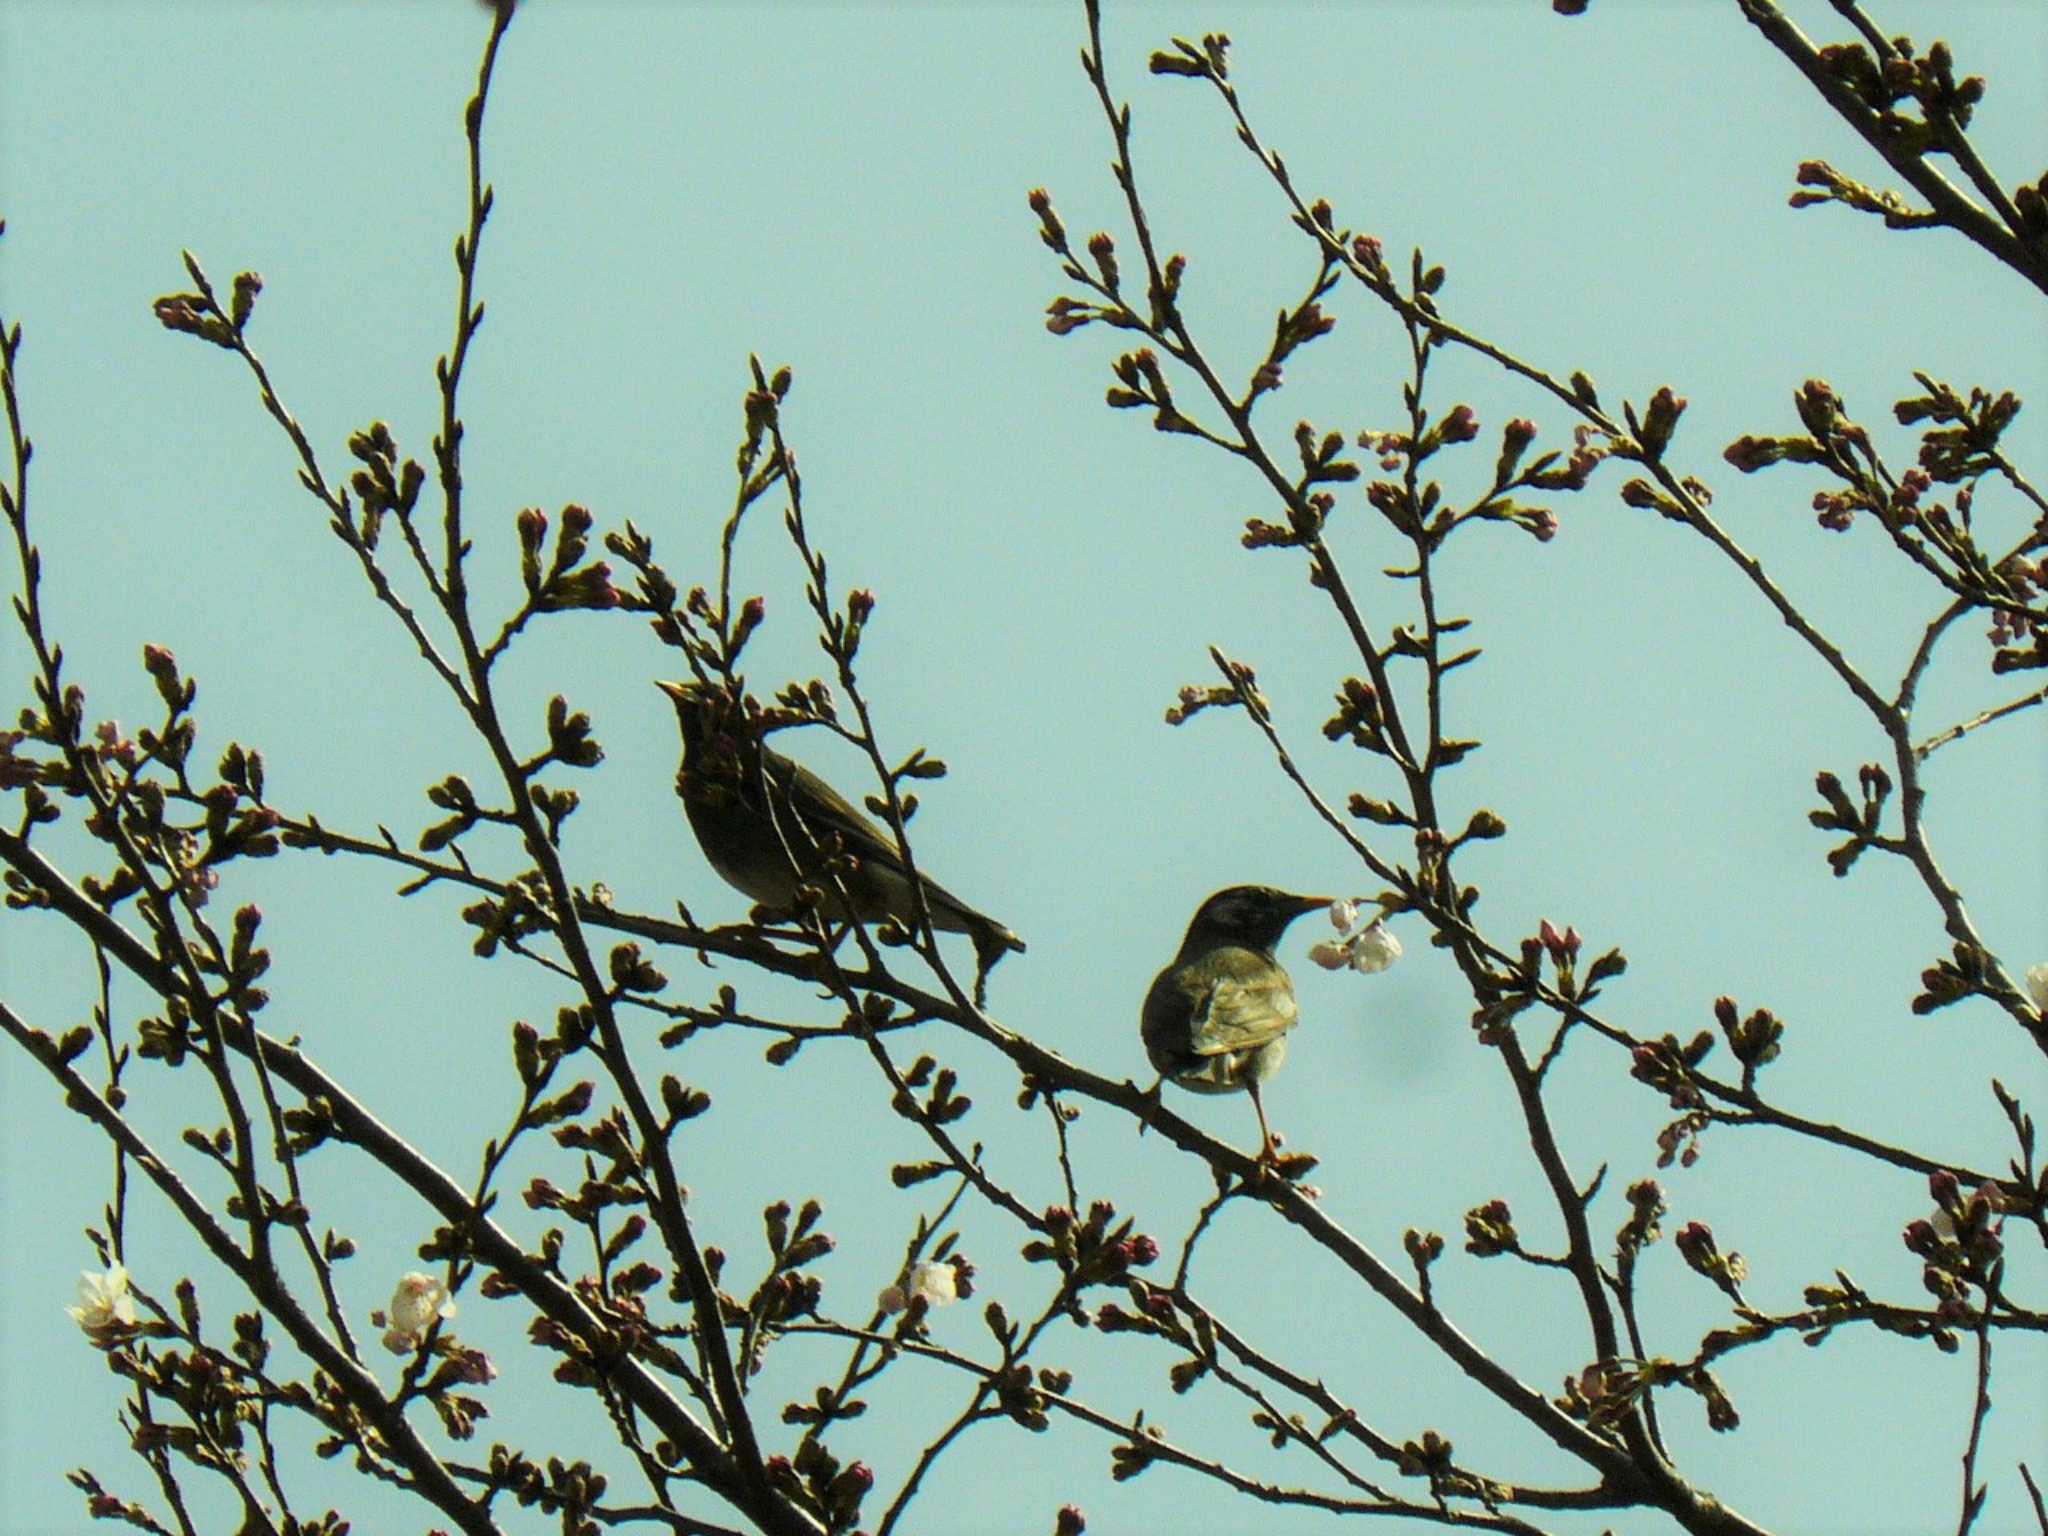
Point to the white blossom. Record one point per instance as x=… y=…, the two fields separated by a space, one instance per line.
x=938 y=1284
x=103 y=1301
x=419 y=1301
x=1374 y=947
x=1330 y=956
x=1366 y=950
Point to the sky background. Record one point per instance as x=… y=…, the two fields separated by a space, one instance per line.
x=842 y=188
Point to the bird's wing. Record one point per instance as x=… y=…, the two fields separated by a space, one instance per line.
x=823 y=809
x=1240 y=1006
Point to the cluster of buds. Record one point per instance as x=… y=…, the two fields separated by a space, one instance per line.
x=382 y=485
x=1294 y=329
x=1209 y=62
x=1392 y=447
x=1659 y=421
x=2023 y=578
x=1929 y=80
x=1696 y=1245
x=1666 y=1065
x=564 y=584
x=196 y=878
x=1841 y=814
x=1460 y=426
x=1154 y=1312
x=1604 y=1392
x=1357 y=716
x=1490 y=1230
x=1589 y=447
x=1142 y=382
x=1515 y=439
x=110 y=746
x=1370 y=254
x=1964 y=443
x=1194 y=700
x=1950 y=980
x=1063 y=315
x=16 y=772
x=1392 y=501
x=1089 y=1250
x=1832 y=435
x=1754 y=1040
x=1563 y=948
x=815 y=1480
x=1679 y=1142
x=1422 y=1250
x=1645 y=1206
x=1961 y=1240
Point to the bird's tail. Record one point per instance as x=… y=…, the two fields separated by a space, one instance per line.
x=992 y=938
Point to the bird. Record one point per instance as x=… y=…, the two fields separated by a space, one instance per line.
x=761 y=818
x=1216 y=1019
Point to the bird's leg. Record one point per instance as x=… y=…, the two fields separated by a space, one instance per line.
x=1269 y=1153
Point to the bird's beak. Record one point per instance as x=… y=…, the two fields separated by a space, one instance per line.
x=682 y=693
x=1301 y=906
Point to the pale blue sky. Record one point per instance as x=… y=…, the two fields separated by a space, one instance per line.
x=841 y=187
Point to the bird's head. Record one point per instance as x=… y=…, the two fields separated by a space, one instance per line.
x=701 y=710
x=1249 y=916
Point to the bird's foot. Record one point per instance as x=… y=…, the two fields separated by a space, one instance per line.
x=1291 y=1166
x=1294 y=1166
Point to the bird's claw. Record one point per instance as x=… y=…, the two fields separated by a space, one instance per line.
x=1290 y=1166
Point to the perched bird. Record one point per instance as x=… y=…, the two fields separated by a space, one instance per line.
x=760 y=818
x=1216 y=1019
